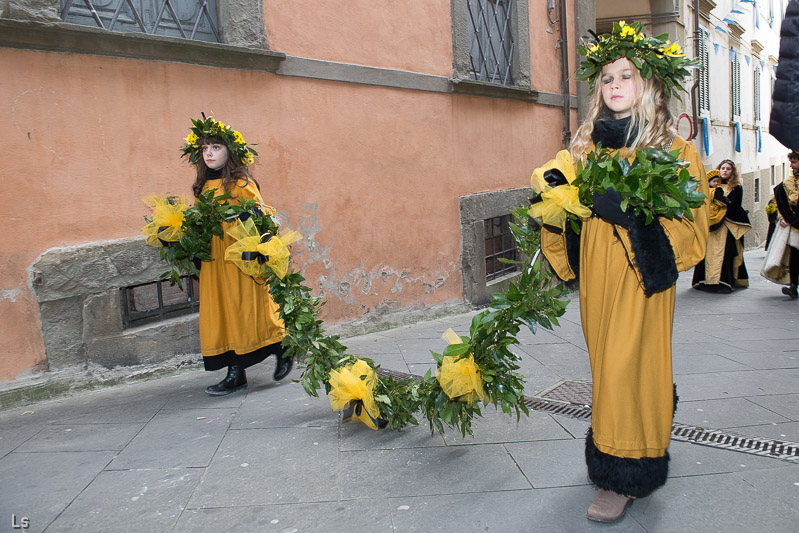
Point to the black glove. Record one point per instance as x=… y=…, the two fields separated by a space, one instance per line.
x=719 y=195
x=608 y=207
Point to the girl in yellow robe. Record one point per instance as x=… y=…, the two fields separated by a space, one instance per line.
x=626 y=271
x=239 y=322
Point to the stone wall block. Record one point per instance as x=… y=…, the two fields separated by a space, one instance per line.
x=35 y=10
x=62 y=328
x=147 y=345
x=95 y=267
x=102 y=315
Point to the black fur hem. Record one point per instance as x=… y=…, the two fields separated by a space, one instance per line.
x=630 y=477
x=573 y=251
x=653 y=254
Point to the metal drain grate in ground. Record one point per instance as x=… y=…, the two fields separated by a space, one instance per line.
x=573 y=399
x=574 y=392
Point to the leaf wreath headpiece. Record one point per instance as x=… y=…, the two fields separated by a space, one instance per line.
x=651 y=55
x=209 y=127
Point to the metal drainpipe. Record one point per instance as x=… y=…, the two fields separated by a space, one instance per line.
x=564 y=74
x=695 y=87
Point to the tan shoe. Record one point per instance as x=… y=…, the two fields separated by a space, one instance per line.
x=608 y=506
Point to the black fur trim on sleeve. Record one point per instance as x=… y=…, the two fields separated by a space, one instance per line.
x=573 y=252
x=630 y=477
x=653 y=254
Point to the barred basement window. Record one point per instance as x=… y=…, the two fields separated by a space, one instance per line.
x=189 y=19
x=704 y=73
x=499 y=243
x=158 y=300
x=491 y=42
x=757 y=190
x=735 y=74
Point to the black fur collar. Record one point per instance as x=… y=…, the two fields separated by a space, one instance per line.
x=612 y=133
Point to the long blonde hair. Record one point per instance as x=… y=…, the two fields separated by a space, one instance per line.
x=649 y=115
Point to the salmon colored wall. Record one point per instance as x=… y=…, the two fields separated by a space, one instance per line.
x=370 y=175
x=544 y=51
x=401 y=34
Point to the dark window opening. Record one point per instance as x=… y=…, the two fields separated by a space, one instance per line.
x=499 y=243
x=187 y=19
x=158 y=300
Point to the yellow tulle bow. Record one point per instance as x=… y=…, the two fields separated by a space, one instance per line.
x=460 y=377
x=167 y=219
x=354 y=386
x=254 y=254
x=556 y=202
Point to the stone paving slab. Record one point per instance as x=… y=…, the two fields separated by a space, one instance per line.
x=82 y=438
x=496 y=427
x=560 y=510
x=723 y=502
x=421 y=471
x=283 y=405
x=130 y=501
x=39 y=486
x=180 y=438
x=786 y=405
x=268 y=466
x=326 y=517
x=551 y=463
x=767 y=360
x=725 y=413
x=354 y=437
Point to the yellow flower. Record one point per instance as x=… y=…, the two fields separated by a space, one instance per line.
x=192 y=138
x=355 y=384
x=238 y=138
x=591 y=48
x=673 y=50
x=627 y=31
x=247 y=159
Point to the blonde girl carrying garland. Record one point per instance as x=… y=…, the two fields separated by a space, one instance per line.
x=627 y=269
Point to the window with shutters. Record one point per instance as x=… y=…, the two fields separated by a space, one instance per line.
x=704 y=73
x=735 y=75
x=757 y=94
x=188 y=19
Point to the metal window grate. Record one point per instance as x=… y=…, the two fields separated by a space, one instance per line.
x=491 y=43
x=499 y=243
x=188 y=19
x=158 y=300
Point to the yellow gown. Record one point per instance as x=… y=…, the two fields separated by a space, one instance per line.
x=236 y=314
x=628 y=334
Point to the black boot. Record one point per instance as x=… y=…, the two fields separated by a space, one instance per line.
x=283 y=366
x=791 y=291
x=236 y=379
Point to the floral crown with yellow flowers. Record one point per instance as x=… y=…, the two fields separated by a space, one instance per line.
x=209 y=127
x=651 y=55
